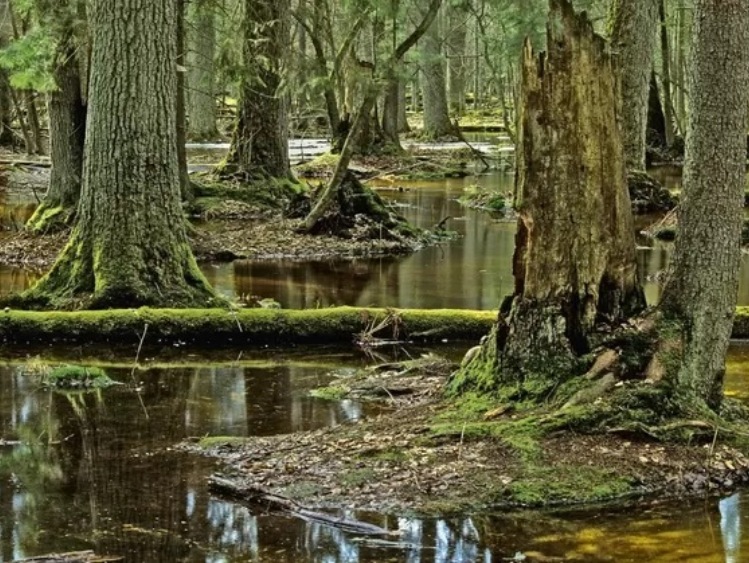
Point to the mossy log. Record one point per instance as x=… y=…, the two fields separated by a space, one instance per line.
x=221 y=327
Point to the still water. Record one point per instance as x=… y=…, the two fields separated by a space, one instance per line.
x=98 y=471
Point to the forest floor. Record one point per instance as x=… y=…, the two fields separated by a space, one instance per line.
x=236 y=227
x=425 y=455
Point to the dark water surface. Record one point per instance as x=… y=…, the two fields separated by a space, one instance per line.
x=98 y=471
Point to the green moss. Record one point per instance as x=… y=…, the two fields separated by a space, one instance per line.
x=331 y=393
x=562 y=484
x=481 y=198
x=273 y=193
x=77 y=378
x=221 y=327
x=357 y=477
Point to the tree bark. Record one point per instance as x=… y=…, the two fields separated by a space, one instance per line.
x=702 y=288
x=437 y=122
x=129 y=245
x=259 y=147
x=574 y=263
x=67 y=126
x=668 y=107
x=202 y=72
x=633 y=39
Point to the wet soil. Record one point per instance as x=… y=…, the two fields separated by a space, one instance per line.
x=400 y=461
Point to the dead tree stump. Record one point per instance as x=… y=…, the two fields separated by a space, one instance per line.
x=574 y=264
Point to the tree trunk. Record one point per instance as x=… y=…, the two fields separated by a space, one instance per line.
x=702 y=288
x=668 y=107
x=180 y=103
x=633 y=39
x=391 y=110
x=574 y=263
x=6 y=102
x=437 y=122
x=67 y=126
x=456 y=49
x=129 y=246
x=259 y=147
x=202 y=73
x=403 y=126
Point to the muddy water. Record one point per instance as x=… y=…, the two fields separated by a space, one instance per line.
x=98 y=472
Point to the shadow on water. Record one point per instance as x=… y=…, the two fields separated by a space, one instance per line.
x=98 y=471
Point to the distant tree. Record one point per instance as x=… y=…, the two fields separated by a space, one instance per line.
x=259 y=147
x=129 y=245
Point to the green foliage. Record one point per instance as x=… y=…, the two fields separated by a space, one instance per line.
x=29 y=61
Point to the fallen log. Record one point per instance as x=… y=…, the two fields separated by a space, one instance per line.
x=213 y=328
x=257 y=496
x=87 y=556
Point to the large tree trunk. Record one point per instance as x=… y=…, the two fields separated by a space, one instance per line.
x=702 y=289
x=129 y=246
x=574 y=264
x=436 y=112
x=633 y=39
x=202 y=72
x=259 y=147
x=67 y=126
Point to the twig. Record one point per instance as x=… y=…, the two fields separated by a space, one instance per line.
x=135 y=366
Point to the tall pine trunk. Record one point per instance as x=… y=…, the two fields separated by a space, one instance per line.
x=702 y=289
x=129 y=245
x=259 y=147
x=633 y=39
x=457 y=36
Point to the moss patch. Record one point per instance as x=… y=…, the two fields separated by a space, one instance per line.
x=71 y=377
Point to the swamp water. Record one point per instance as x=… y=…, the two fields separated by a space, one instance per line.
x=98 y=471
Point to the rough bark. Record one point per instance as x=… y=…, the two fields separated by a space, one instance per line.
x=574 y=263
x=403 y=126
x=702 y=288
x=437 y=122
x=202 y=72
x=633 y=39
x=259 y=147
x=67 y=125
x=129 y=245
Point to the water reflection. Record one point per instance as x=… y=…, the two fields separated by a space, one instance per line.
x=96 y=471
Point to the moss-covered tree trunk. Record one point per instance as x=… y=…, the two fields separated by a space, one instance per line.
x=574 y=262
x=702 y=289
x=202 y=75
x=633 y=39
x=129 y=246
x=67 y=126
x=259 y=148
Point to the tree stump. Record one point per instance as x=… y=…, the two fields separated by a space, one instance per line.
x=574 y=263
